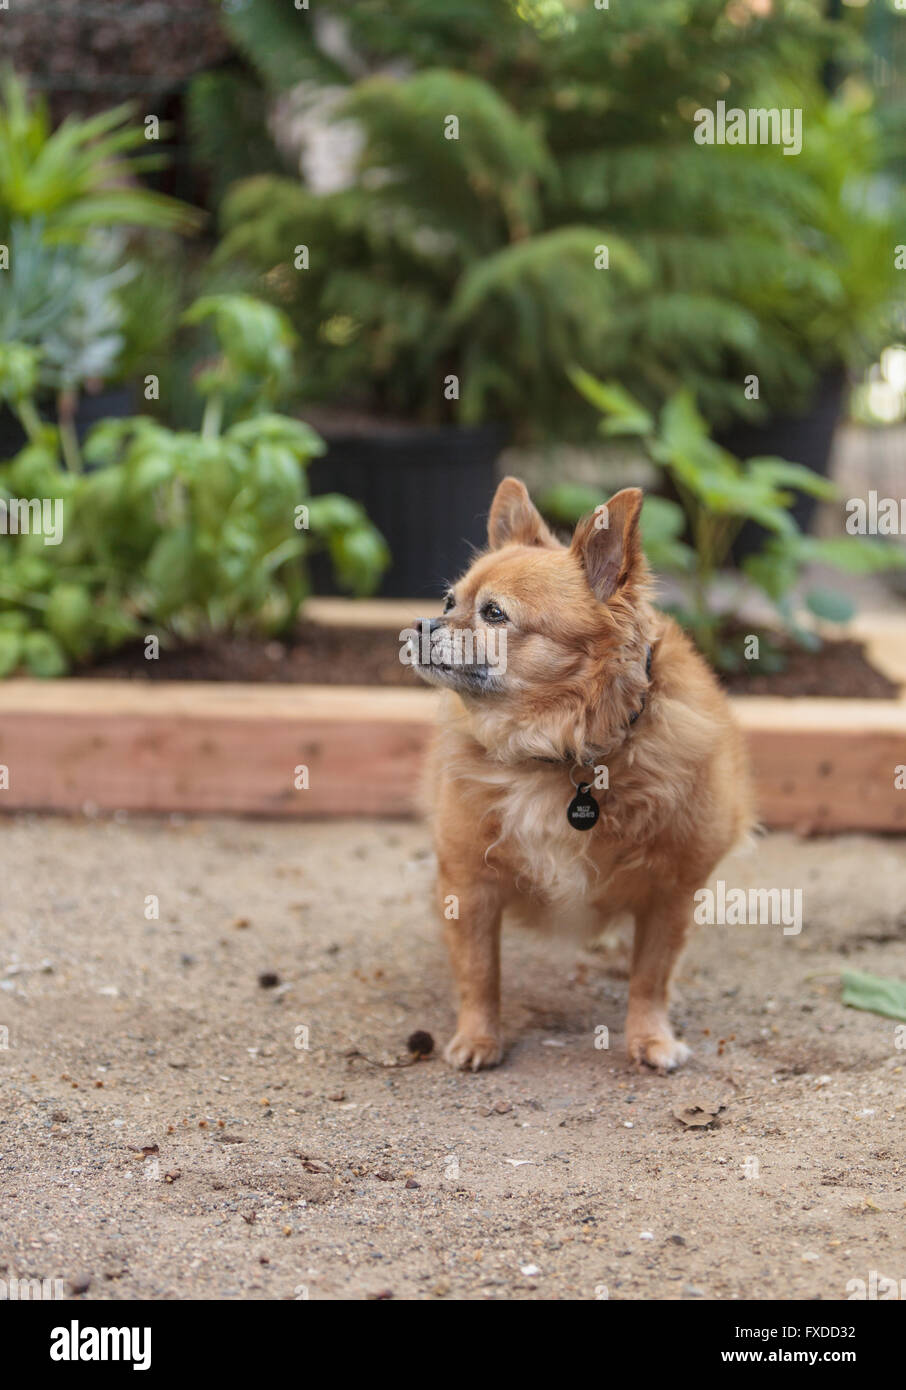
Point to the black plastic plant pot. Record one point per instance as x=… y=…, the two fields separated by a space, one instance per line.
x=115 y=403
x=427 y=490
x=805 y=439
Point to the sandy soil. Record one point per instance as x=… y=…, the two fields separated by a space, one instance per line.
x=275 y=1170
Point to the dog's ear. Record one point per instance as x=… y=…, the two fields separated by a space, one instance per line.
x=514 y=519
x=608 y=544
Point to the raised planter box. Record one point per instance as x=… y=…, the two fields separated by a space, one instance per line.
x=211 y=747
x=94 y=745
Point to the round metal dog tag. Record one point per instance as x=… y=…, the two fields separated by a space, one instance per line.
x=582 y=811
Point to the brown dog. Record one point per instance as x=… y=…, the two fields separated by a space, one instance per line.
x=596 y=689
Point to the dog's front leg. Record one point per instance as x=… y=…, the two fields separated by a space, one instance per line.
x=471 y=911
x=660 y=934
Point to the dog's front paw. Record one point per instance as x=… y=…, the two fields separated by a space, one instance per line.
x=660 y=1050
x=472 y=1051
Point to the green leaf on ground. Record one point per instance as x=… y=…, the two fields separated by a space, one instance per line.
x=874 y=994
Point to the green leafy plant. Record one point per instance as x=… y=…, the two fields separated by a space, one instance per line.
x=718 y=493
x=227 y=111
x=63 y=299
x=71 y=216
x=176 y=532
x=80 y=176
x=482 y=256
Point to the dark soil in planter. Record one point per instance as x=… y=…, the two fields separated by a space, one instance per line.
x=320 y=655
x=323 y=655
x=838 y=669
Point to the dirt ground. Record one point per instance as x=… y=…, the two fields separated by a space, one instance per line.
x=287 y=1154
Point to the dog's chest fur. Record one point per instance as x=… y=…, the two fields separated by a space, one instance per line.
x=546 y=854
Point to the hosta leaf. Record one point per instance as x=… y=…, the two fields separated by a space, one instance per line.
x=254 y=337
x=19 y=366
x=565 y=503
x=69 y=617
x=624 y=413
x=10 y=651
x=774 y=471
x=662 y=524
x=359 y=558
x=853 y=554
x=170 y=570
x=331 y=511
x=281 y=429
x=43 y=655
x=773 y=570
x=830 y=605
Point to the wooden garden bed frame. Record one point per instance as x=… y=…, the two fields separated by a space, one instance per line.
x=212 y=748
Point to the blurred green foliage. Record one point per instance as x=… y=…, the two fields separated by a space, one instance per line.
x=477 y=255
x=79 y=177
x=175 y=533
x=72 y=213
x=718 y=494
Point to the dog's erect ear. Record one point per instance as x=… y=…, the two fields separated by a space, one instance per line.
x=608 y=544
x=514 y=519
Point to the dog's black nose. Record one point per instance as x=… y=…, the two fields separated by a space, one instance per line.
x=427 y=625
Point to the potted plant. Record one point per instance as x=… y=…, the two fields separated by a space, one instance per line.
x=178 y=534
x=70 y=210
x=719 y=494
x=503 y=217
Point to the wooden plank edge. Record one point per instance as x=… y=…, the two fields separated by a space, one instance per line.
x=819 y=765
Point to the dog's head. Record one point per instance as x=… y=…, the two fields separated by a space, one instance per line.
x=544 y=643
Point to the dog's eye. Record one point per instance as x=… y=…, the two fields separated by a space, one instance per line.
x=493 y=613
x=449 y=603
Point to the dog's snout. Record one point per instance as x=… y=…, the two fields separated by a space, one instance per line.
x=427 y=625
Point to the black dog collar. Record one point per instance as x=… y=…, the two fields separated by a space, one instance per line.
x=582 y=812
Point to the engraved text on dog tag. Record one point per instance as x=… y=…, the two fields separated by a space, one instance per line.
x=582 y=811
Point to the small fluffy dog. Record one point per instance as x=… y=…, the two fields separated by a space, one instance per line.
x=588 y=758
